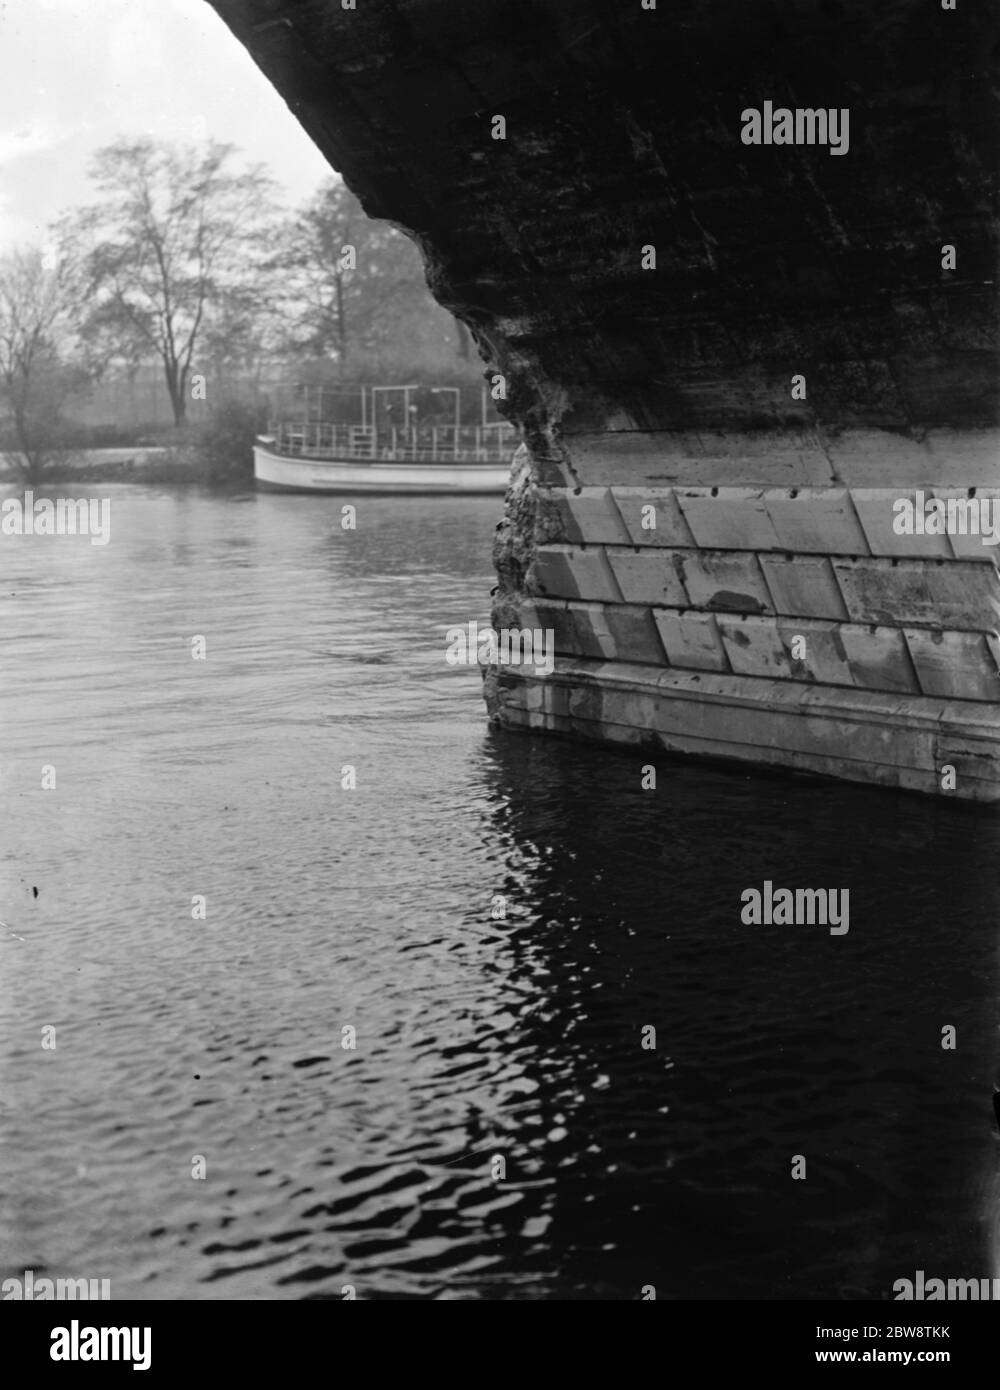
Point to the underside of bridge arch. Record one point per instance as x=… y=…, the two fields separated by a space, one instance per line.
x=741 y=369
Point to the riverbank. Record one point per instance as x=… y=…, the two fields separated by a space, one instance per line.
x=156 y=464
x=214 y=451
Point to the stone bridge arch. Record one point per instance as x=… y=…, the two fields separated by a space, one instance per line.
x=735 y=364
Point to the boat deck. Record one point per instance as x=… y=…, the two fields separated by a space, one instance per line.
x=433 y=444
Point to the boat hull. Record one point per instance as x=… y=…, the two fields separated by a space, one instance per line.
x=277 y=473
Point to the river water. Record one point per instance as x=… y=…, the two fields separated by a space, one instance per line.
x=498 y=1130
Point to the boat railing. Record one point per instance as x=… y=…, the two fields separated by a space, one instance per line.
x=418 y=444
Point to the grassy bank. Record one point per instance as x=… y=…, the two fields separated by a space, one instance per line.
x=218 y=452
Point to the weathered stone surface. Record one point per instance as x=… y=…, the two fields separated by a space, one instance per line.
x=824 y=658
x=896 y=741
x=623 y=130
x=954 y=594
x=957 y=665
x=570 y=571
x=879 y=658
x=874 y=507
x=970 y=545
x=803 y=585
x=583 y=515
x=754 y=646
x=691 y=640
x=815 y=521
x=648 y=576
x=724 y=580
x=652 y=516
x=728 y=518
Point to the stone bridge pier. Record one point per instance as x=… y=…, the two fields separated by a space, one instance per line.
x=736 y=263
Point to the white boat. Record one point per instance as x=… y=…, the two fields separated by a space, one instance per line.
x=338 y=471
x=377 y=456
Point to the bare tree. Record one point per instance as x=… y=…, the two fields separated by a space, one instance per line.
x=354 y=285
x=178 y=237
x=36 y=375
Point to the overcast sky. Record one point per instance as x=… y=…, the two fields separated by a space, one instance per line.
x=75 y=74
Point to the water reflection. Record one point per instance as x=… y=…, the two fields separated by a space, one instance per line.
x=770 y=1041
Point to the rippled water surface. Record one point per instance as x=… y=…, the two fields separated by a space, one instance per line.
x=477 y=1040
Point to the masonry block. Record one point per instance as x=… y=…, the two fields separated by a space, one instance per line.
x=617 y=632
x=573 y=572
x=970 y=545
x=572 y=632
x=815 y=521
x=754 y=646
x=955 y=594
x=691 y=640
x=585 y=516
x=724 y=580
x=730 y=518
x=957 y=665
x=875 y=509
x=803 y=585
x=647 y=576
x=823 y=657
x=879 y=658
x=670 y=528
